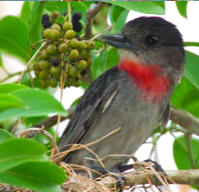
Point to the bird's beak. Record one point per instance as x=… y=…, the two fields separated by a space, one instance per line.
x=118 y=41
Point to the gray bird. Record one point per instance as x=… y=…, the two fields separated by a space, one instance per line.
x=134 y=95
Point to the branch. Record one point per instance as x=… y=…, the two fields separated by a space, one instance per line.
x=89 y=17
x=133 y=178
x=185 y=120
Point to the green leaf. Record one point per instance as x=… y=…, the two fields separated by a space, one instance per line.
x=36 y=27
x=10 y=87
x=104 y=61
x=193 y=44
x=97 y=66
x=182 y=7
x=4 y=135
x=112 y=58
x=56 y=6
x=16 y=151
x=119 y=16
x=1 y=61
x=180 y=153
x=39 y=176
x=185 y=96
x=192 y=68
x=39 y=102
x=26 y=12
x=148 y=7
x=14 y=37
x=10 y=101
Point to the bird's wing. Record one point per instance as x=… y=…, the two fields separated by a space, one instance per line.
x=92 y=105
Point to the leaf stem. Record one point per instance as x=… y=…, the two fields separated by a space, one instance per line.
x=69 y=11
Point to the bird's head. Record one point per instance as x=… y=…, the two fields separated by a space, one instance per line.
x=151 y=41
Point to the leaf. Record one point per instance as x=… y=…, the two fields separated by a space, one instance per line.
x=112 y=58
x=4 y=135
x=1 y=61
x=56 y=6
x=26 y=12
x=10 y=101
x=182 y=7
x=16 y=151
x=148 y=7
x=14 y=37
x=36 y=27
x=39 y=176
x=192 y=68
x=97 y=66
x=10 y=87
x=120 y=19
x=185 y=96
x=39 y=102
x=115 y=12
x=191 y=44
x=180 y=153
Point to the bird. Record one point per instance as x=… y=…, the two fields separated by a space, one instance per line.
x=134 y=95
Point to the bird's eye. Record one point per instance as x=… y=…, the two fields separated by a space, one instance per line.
x=151 y=40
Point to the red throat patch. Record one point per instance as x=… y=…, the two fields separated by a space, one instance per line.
x=146 y=78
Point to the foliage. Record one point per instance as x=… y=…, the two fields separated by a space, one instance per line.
x=25 y=162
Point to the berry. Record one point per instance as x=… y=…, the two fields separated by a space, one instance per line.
x=67 y=26
x=70 y=34
x=46 y=21
x=43 y=83
x=74 y=43
x=76 y=16
x=46 y=33
x=63 y=47
x=56 y=26
x=82 y=45
x=54 y=71
x=54 y=15
x=74 y=54
x=36 y=66
x=55 y=62
x=43 y=74
x=43 y=64
x=90 y=44
x=53 y=82
x=77 y=26
x=84 y=54
x=89 y=61
x=73 y=72
x=51 y=49
x=43 y=54
x=51 y=34
x=81 y=65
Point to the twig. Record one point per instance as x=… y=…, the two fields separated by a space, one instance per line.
x=185 y=120
x=89 y=16
x=10 y=76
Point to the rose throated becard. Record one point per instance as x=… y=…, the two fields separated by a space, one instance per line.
x=134 y=95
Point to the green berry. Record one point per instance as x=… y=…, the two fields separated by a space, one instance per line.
x=74 y=43
x=54 y=15
x=63 y=48
x=70 y=34
x=74 y=54
x=73 y=72
x=84 y=54
x=36 y=66
x=43 y=74
x=46 y=33
x=53 y=82
x=56 y=26
x=89 y=61
x=82 y=45
x=51 y=49
x=81 y=65
x=43 y=54
x=90 y=44
x=43 y=64
x=43 y=83
x=54 y=71
x=67 y=26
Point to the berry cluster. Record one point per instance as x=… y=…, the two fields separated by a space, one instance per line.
x=64 y=53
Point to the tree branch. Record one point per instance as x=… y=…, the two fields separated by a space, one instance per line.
x=89 y=17
x=185 y=120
